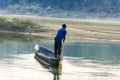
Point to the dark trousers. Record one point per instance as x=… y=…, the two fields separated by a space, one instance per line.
x=57 y=48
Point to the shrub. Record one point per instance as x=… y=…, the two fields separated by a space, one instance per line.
x=15 y=24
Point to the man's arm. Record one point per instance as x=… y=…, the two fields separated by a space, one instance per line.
x=64 y=38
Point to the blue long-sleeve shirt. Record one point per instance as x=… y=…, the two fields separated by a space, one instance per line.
x=61 y=34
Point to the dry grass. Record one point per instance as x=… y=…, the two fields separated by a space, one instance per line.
x=82 y=31
x=77 y=30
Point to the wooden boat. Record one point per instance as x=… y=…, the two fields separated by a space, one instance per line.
x=46 y=56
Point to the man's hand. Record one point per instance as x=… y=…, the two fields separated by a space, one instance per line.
x=64 y=39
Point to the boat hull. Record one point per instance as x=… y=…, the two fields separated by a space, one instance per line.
x=46 y=56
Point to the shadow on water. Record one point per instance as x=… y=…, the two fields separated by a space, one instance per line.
x=12 y=45
x=19 y=37
x=13 y=37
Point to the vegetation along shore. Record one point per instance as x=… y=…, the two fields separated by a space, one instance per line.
x=45 y=28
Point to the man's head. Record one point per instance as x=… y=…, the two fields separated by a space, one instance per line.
x=64 y=26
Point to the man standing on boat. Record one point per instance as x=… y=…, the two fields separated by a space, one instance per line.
x=58 y=40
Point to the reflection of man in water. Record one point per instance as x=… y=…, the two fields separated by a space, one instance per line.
x=58 y=40
x=57 y=73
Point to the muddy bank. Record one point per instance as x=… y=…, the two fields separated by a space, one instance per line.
x=78 y=30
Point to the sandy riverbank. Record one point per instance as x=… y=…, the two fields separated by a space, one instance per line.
x=78 y=30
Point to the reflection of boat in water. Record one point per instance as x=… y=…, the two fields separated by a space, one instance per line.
x=46 y=56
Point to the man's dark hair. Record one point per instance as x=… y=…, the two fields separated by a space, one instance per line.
x=64 y=26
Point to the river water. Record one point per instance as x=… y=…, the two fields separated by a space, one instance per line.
x=82 y=61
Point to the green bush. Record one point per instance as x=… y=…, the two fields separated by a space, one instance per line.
x=15 y=24
x=3 y=22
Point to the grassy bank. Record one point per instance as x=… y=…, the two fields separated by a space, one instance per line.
x=15 y=24
x=78 y=30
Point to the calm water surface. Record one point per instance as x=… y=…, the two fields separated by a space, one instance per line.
x=82 y=61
